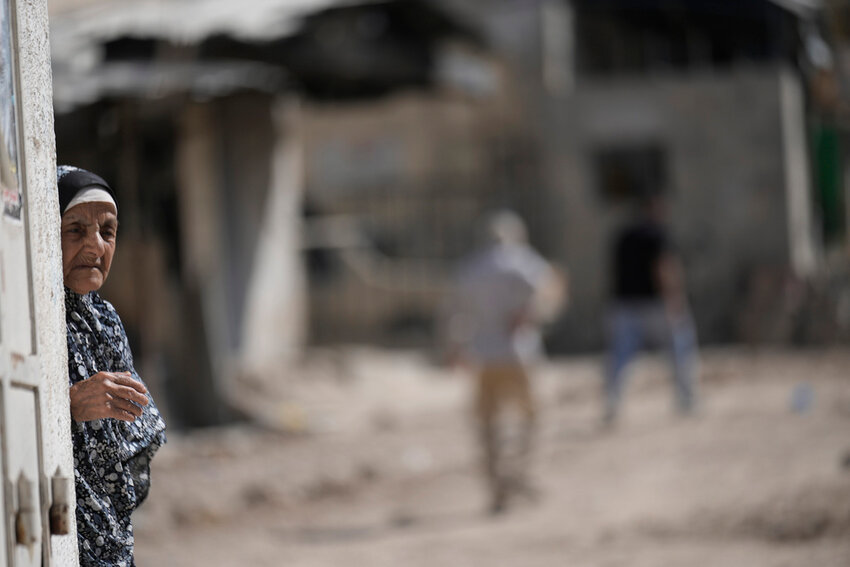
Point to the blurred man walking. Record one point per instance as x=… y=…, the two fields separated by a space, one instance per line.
x=502 y=295
x=650 y=307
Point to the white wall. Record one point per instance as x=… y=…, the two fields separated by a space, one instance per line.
x=36 y=95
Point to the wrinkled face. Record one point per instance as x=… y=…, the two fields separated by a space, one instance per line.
x=89 y=231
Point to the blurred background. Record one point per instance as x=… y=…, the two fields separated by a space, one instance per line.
x=297 y=181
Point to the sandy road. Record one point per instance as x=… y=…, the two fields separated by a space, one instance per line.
x=386 y=474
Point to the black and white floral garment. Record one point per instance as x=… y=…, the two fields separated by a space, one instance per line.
x=111 y=457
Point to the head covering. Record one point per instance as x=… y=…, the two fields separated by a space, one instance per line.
x=80 y=186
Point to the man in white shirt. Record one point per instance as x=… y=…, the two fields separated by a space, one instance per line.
x=502 y=295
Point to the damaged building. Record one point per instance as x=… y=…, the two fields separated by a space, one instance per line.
x=234 y=172
x=308 y=172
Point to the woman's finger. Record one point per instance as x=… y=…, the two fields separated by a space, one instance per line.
x=128 y=394
x=124 y=378
x=120 y=414
x=122 y=404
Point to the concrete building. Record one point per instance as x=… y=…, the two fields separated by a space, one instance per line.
x=709 y=103
x=729 y=152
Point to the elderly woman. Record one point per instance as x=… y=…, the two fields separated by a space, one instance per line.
x=116 y=426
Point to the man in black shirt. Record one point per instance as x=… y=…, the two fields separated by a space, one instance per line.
x=649 y=306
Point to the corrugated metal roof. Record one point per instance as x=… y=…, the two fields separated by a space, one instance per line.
x=153 y=80
x=77 y=37
x=187 y=21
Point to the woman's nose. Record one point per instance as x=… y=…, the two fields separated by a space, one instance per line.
x=95 y=242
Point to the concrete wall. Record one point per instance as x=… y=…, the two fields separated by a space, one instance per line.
x=727 y=145
x=40 y=162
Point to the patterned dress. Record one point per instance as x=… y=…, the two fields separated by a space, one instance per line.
x=111 y=457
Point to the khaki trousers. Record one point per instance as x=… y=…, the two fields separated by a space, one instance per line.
x=504 y=389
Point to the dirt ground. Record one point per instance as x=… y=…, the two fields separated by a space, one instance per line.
x=368 y=458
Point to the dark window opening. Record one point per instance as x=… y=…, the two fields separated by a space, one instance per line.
x=630 y=172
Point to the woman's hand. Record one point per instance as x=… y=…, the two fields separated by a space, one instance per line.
x=108 y=394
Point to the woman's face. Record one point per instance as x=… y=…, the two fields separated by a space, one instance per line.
x=88 y=243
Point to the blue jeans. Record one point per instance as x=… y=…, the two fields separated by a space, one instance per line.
x=636 y=325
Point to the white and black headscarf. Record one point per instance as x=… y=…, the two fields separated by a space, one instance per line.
x=80 y=186
x=111 y=457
